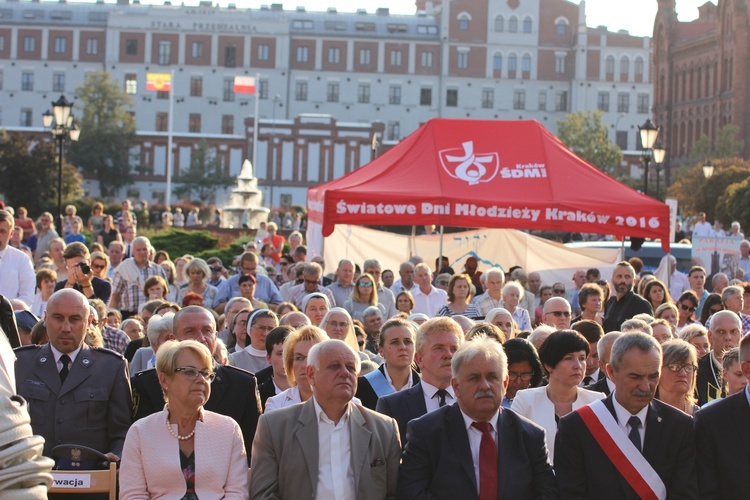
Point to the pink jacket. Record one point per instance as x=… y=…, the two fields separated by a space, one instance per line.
x=151 y=460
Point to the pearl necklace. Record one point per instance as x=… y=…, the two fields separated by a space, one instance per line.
x=176 y=435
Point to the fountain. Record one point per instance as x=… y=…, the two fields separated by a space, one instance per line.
x=244 y=207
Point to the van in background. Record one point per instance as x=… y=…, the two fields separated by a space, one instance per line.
x=650 y=253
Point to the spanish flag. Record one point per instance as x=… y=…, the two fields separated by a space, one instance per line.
x=244 y=85
x=158 y=82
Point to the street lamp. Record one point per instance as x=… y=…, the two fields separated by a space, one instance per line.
x=60 y=123
x=708 y=170
x=659 y=154
x=649 y=132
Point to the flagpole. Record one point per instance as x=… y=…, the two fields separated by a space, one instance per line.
x=255 y=123
x=168 y=194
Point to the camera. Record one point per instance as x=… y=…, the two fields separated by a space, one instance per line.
x=85 y=268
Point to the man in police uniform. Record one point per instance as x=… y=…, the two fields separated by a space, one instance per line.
x=77 y=394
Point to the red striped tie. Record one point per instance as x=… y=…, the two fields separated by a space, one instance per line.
x=487 y=462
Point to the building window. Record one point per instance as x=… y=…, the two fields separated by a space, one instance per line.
x=27 y=80
x=497 y=62
x=463 y=60
x=609 y=67
x=427 y=57
x=131 y=47
x=561 y=27
x=300 y=91
x=162 y=94
x=162 y=122
x=602 y=102
x=643 y=103
x=131 y=84
x=227 y=124
x=621 y=139
x=1 y=79
x=451 y=98
x=334 y=55
x=29 y=44
x=194 y=123
x=542 y=100
x=425 y=96
x=92 y=46
x=624 y=68
x=230 y=56
x=519 y=99
x=365 y=57
x=513 y=24
x=196 y=86
x=512 y=63
x=228 y=90
x=463 y=22
x=559 y=63
x=394 y=94
x=264 y=52
x=499 y=24
x=263 y=89
x=526 y=63
x=332 y=92
x=488 y=98
x=165 y=51
x=561 y=101
x=2 y=43
x=61 y=44
x=623 y=103
x=363 y=93
x=197 y=50
x=396 y=56
x=527 y=25
x=26 y=117
x=639 y=67
x=303 y=54
x=58 y=82
x=394 y=131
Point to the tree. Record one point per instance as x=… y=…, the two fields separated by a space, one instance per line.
x=28 y=174
x=204 y=175
x=585 y=134
x=107 y=132
x=695 y=193
x=727 y=144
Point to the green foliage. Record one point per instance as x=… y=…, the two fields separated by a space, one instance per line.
x=735 y=204
x=727 y=146
x=29 y=173
x=695 y=193
x=204 y=175
x=107 y=132
x=179 y=242
x=585 y=134
x=701 y=150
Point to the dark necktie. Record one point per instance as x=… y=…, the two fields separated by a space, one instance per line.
x=65 y=360
x=487 y=462
x=634 y=435
x=441 y=394
x=587 y=380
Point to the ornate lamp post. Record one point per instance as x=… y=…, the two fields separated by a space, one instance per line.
x=649 y=132
x=659 y=154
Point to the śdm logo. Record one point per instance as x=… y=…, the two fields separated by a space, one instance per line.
x=468 y=166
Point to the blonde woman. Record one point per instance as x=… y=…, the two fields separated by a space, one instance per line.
x=364 y=295
x=678 y=375
x=198 y=273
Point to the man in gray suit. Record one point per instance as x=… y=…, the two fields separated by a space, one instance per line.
x=327 y=447
x=77 y=394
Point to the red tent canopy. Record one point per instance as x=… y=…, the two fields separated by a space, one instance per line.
x=482 y=173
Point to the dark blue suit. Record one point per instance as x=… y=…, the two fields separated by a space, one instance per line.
x=404 y=407
x=584 y=471
x=437 y=459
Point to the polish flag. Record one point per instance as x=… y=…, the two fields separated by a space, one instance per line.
x=244 y=85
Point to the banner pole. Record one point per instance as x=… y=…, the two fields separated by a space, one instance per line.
x=168 y=194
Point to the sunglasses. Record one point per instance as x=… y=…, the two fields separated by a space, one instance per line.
x=558 y=290
x=687 y=308
x=312 y=282
x=98 y=267
x=366 y=284
x=560 y=313
x=442 y=282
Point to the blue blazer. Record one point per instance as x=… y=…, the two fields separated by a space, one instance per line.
x=404 y=407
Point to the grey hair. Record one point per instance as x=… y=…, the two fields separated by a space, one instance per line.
x=371 y=311
x=541 y=332
x=605 y=344
x=648 y=318
x=157 y=325
x=516 y=286
x=731 y=291
x=372 y=263
x=496 y=271
x=318 y=350
x=717 y=276
x=519 y=275
x=142 y=239
x=483 y=346
x=691 y=331
x=636 y=325
x=638 y=340
x=492 y=313
x=234 y=300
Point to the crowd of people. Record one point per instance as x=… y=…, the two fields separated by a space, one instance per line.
x=374 y=383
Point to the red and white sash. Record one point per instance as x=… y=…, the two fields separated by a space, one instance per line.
x=622 y=452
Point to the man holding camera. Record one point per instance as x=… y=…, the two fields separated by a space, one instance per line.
x=80 y=276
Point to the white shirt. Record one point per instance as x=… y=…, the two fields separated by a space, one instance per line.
x=430 y=303
x=409 y=383
x=282 y=400
x=594 y=379
x=624 y=415
x=745 y=266
x=57 y=354
x=397 y=287
x=702 y=229
x=475 y=439
x=431 y=398
x=678 y=283
x=335 y=472
x=17 y=277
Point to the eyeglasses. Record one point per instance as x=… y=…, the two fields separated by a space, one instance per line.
x=366 y=284
x=284 y=263
x=558 y=290
x=442 y=282
x=191 y=373
x=687 y=308
x=512 y=376
x=98 y=267
x=560 y=313
x=312 y=282
x=677 y=367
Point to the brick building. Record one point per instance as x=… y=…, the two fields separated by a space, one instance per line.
x=348 y=74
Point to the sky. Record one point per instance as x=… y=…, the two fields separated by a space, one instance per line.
x=636 y=16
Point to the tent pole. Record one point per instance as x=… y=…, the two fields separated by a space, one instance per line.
x=411 y=241
x=440 y=254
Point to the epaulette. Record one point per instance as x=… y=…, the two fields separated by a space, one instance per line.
x=29 y=347
x=143 y=372
x=107 y=351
